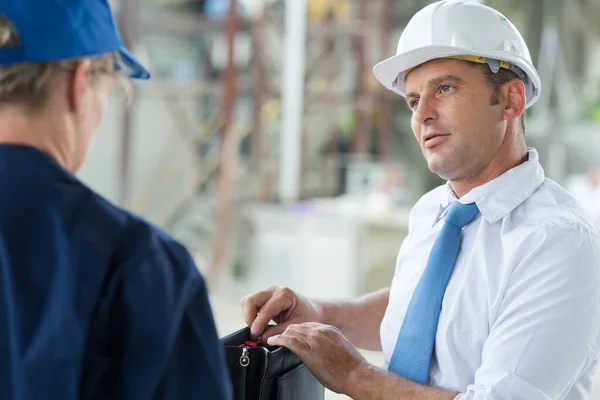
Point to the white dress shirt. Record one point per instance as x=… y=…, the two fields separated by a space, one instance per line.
x=520 y=318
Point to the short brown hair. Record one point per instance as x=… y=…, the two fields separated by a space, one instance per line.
x=29 y=84
x=495 y=80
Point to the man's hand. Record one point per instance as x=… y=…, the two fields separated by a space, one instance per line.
x=324 y=350
x=281 y=305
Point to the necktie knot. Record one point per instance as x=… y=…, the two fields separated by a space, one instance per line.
x=461 y=214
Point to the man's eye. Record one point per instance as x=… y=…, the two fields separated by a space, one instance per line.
x=413 y=104
x=445 y=88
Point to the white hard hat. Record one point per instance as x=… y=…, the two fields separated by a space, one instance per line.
x=460 y=29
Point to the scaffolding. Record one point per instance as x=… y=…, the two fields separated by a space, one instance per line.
x=236 y=133
x=341 y=38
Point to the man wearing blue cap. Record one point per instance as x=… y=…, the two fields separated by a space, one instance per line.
x=95 y=303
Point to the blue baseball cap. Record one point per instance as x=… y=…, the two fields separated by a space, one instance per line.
x=53 y=30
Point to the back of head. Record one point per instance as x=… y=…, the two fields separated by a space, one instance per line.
x=28 y=84
x=55 y=56
x=41 y=35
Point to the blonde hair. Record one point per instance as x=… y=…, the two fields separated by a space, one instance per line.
x=29 y=83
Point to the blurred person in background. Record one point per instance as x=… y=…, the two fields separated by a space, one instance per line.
x=497 y=285
x=95 y=303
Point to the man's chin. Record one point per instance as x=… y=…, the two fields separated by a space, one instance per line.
x=440 y=168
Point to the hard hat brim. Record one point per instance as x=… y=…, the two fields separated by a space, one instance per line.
x=392 y=69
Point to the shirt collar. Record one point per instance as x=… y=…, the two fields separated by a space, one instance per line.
x=497 y=198
x=31 y=162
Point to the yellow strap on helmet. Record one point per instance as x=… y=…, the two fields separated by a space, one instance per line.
x=475 y=59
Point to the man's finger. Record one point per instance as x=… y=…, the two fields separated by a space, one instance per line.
x=291 y=341
x=326 y=329
x=314 y=325
x=251 y=304
x=276 y=305
x=300 y=331
x=280 y=328
x=272 y=331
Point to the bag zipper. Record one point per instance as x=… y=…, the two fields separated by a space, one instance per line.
x=245 y=358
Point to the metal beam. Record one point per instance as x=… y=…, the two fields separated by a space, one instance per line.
x=229 y=149
x=293 y=99
x=384 y=129
x=259 y=139
x=361 y=142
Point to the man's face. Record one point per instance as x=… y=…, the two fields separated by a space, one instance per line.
x=458 y=130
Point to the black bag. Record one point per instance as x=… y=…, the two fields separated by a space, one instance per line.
x=267 y=373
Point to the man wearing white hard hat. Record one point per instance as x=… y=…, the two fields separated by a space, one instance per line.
x=497 y=285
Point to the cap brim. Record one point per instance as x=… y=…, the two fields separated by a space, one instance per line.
x=129 y=66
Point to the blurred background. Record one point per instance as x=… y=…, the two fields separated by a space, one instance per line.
x=266 y=145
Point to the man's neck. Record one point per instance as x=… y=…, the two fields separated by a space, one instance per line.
x=512 y=153
x=17 y=127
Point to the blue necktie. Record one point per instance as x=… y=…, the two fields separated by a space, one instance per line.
x=412 y=355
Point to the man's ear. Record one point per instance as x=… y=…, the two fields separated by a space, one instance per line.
x=79 y=86
x=513 y=99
